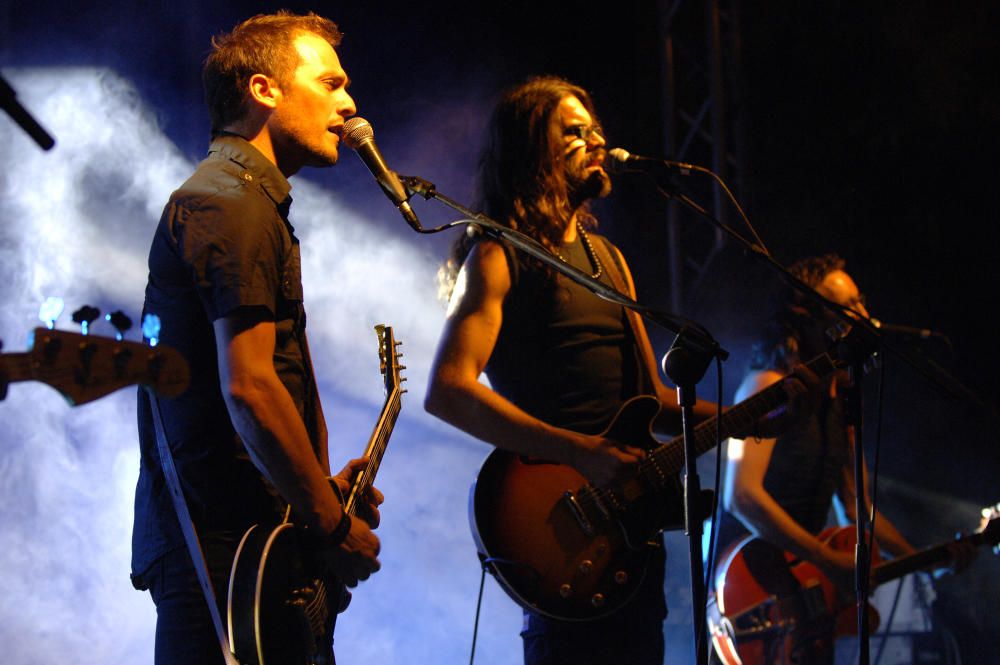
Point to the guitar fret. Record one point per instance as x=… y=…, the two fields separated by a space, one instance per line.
x=376 y=448
x=740 y=418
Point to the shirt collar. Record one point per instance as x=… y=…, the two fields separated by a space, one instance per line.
x=257 y=168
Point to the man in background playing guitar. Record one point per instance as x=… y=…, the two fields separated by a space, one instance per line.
x=560 y=360
x=224 y=277
x=781 y=488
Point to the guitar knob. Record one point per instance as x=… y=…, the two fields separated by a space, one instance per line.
x=586 y=566
x=565 y=591
x=597 y=600
x=621 y=577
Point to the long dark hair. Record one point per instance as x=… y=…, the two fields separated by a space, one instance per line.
x=522 y=177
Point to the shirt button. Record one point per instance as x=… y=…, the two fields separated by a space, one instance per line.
x=247 y=177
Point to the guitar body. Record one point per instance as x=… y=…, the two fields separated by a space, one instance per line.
x=557 y=545
x=772 y=608
x=282 y=602
x=566 y=549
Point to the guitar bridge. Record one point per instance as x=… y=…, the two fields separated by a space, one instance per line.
x=312 y=606
x=581 y=518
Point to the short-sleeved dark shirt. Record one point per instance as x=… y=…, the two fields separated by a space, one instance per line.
x=223 y=243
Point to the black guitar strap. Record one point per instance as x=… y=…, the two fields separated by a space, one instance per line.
x=187 y=526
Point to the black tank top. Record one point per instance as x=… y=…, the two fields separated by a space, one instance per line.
x=563 y=354
x=569 y=358
x=803 y=472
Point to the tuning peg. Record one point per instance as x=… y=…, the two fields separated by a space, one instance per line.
x=50 y=310
x=85 y=316
x=151 y=329
x=120 y=321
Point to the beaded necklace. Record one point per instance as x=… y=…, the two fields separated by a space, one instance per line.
x=589 y=249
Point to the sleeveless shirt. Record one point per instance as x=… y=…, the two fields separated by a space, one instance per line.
x=564 y=355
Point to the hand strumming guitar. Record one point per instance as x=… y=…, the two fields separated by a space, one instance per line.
x=604 y=460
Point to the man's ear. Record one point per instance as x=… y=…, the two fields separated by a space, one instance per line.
x=264 y=90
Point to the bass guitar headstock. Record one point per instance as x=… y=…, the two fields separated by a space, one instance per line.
x=85 y=367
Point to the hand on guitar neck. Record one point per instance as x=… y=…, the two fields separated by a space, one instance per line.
x=356 y=558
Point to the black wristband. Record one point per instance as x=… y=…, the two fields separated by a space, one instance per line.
x=339 y=534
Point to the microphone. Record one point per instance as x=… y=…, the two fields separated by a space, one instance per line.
x=906 y=331
x=360 y=137
x=620 y=160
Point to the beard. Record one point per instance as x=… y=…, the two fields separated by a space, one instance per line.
x=582 y=185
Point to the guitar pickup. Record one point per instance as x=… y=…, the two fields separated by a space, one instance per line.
x=581 y=518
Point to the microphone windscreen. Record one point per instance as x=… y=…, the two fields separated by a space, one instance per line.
x=619 y=155
x=357 y=130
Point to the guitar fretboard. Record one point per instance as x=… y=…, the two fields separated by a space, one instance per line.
x=890 y=570
x=739 y=419
x=376 y=449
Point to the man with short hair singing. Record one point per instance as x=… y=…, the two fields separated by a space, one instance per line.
x=224 y=276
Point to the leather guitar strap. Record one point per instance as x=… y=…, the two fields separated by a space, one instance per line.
x=616 y=273
x=187 y=526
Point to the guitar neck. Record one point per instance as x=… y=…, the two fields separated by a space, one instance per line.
x=739 y=419
x=923 y=559
x=16 y=367
x=376 y=449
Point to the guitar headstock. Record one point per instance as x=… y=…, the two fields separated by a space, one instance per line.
x=389 y=359
x=86 y=367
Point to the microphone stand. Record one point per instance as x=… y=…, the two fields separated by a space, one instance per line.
x=686 y=367
x=686 y=362
x=699 y=338
x=20 y=115
x=862 y=342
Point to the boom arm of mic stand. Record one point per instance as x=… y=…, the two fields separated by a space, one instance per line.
x=697 y=337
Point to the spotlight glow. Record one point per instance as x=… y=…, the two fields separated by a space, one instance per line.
x=77 y=222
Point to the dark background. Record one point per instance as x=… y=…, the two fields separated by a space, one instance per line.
x=871 y=130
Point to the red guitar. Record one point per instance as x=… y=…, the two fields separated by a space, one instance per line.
x=771 y=608
x=567 y=549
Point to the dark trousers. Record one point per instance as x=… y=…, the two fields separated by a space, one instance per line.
x=633 y=635
x=185 y=634
x=618 y=640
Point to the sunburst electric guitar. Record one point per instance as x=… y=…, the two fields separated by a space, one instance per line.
x=283 y=598
x=569 y=550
